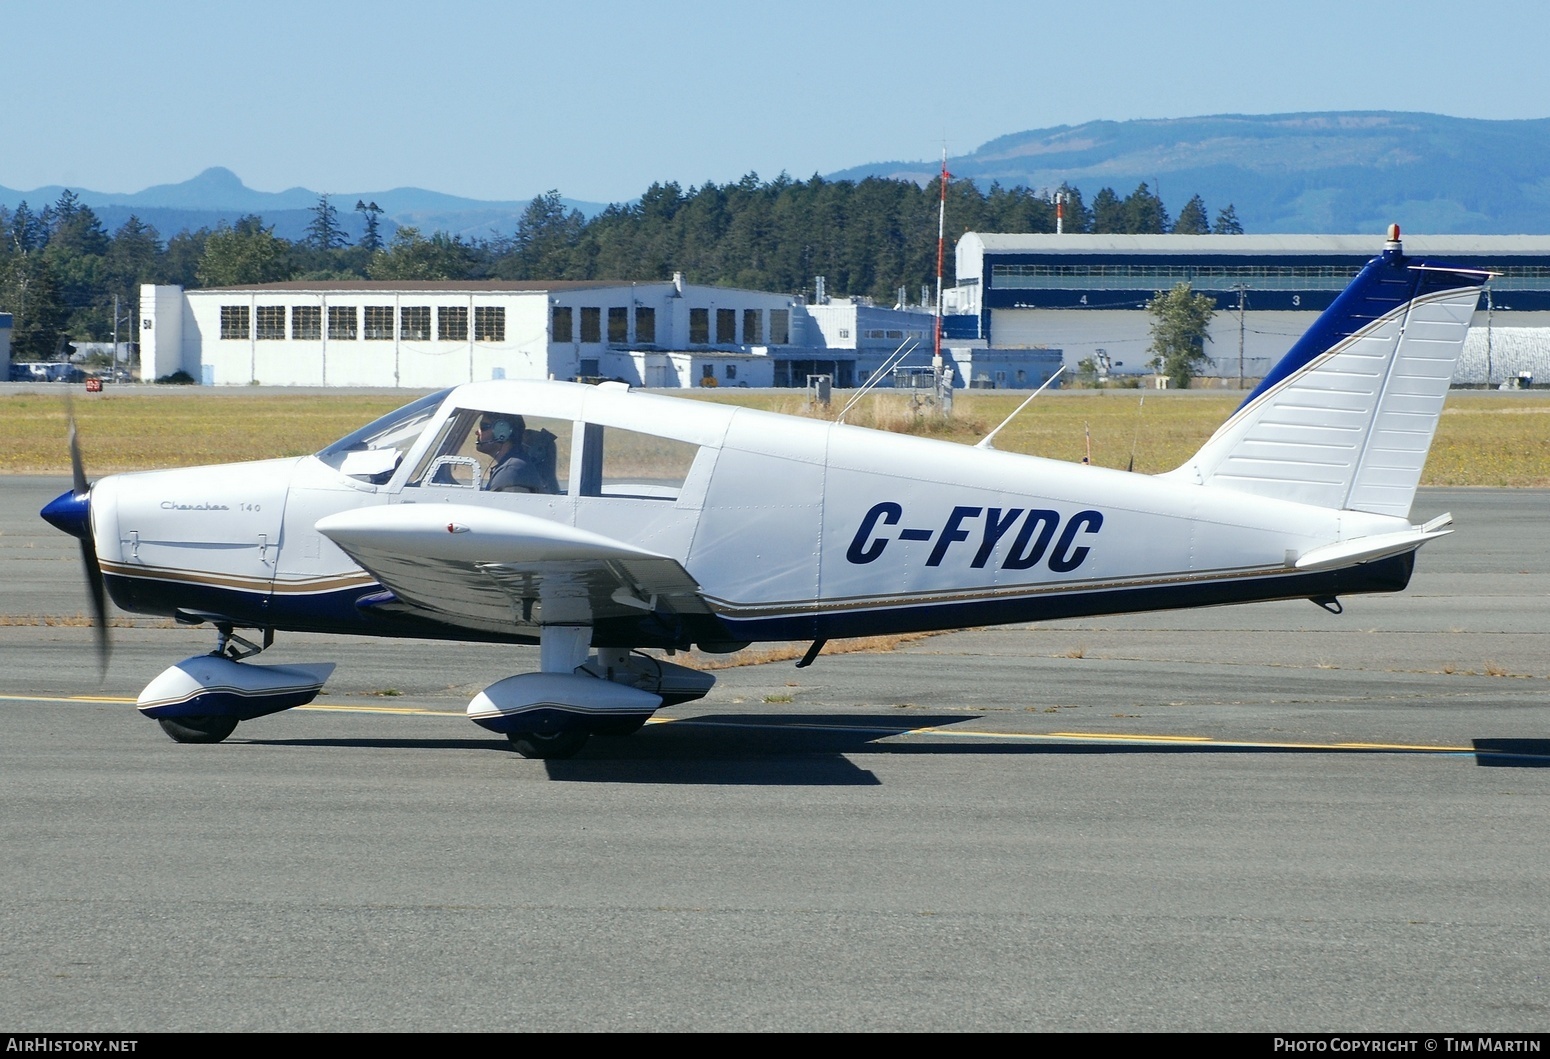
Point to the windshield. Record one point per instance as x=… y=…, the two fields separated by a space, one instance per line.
x=373 y=452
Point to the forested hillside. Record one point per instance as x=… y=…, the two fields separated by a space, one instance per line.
x=60 y=269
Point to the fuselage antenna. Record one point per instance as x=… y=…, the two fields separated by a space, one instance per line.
x=985 y=442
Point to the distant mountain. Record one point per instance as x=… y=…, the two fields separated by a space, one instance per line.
x=218 y=195
x=1323 y=173
x=1335 y=172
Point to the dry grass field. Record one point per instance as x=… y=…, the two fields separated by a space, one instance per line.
x=1485 y=438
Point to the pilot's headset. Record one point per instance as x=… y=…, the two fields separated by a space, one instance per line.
x=503 y=430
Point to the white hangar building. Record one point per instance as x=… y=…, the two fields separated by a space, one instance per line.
x=426 y=334
x=1086 y=294
x=421 y=333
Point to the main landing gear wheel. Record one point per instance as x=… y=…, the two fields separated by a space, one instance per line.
x=198 y=729
x=557 y=745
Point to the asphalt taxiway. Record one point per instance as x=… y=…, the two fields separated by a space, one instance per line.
x=1250 y=818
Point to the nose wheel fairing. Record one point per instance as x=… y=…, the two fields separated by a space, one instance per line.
x=216 y=686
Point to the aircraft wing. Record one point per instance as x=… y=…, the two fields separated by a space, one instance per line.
x=493 y=570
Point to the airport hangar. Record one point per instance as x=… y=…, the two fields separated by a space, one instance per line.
x=1087 y=294
x=428 y=334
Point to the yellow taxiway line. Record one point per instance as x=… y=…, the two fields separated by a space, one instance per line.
x=1129 y=738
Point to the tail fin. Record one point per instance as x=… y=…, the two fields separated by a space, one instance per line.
x=1347 y=416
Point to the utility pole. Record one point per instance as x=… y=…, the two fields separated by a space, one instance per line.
x=1240 y=288
x=1489 y=312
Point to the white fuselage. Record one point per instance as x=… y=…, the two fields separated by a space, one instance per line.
x=790 y=526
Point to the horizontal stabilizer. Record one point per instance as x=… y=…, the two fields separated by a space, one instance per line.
x=1367 y=549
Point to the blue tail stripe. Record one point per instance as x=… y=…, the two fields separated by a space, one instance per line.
x=1386 y=283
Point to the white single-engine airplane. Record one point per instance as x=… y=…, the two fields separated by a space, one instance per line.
x=637 y=521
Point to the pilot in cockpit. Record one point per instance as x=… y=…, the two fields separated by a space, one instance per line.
x=510 y=471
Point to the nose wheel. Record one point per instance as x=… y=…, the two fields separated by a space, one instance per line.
x=198 y=729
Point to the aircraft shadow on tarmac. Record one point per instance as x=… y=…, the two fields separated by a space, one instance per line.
x=1513 y=753
x=815 y=749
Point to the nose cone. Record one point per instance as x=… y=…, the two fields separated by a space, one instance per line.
x=70 y=511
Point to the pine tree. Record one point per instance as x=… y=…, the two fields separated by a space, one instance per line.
x=323 y=231
x=1145 y=213
x=1108 y=213
x=1227 y=222
x=371 y=242
x=1193 y=219
x=27 y=230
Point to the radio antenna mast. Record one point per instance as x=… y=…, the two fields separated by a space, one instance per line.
x=941 y=243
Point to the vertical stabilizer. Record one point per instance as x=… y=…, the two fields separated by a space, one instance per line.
x=1345 y=419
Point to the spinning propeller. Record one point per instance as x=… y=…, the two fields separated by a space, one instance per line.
x=71 y=512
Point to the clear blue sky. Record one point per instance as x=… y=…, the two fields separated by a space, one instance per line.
x=598 y=98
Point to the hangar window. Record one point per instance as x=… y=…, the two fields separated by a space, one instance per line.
x=379 y=323
x=726 y=326
x=699 y=327
x=271 y=322
x=489 y=323
x=618 y=325
x=307 y=322
x=560 y=328
x=234 y=321
x=452 y=323
x=780 y=327
x=343 y=322
x=753 y=327
x=645 y=326
x=591 y=324
x=415 y=322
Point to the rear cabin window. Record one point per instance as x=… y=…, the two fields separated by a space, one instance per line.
x=626 y=463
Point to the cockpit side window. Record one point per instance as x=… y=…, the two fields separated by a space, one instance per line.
x=373 y=453
x=456 y=460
